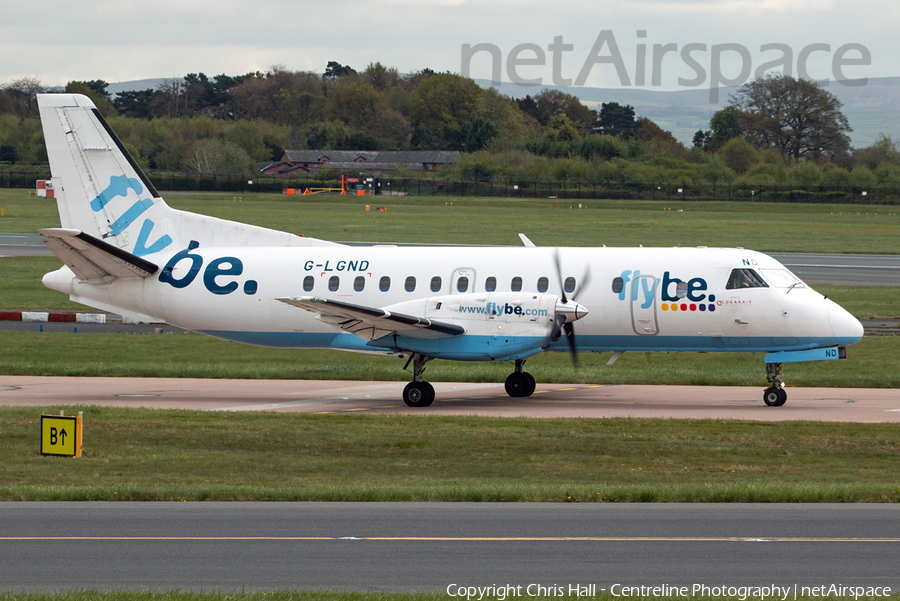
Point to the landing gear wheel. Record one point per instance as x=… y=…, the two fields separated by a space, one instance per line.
x=774 y=396
x=520 y=384
x=418 y=394
x=531 y=383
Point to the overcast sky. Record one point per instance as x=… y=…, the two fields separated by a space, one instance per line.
x=58 y=41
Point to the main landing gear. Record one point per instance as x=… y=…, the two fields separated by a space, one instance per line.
x=520 y=383
x=774 y=395
x=418 y=393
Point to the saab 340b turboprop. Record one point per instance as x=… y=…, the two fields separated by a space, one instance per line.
x=127 y=252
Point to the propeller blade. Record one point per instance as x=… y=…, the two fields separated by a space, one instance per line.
x=570 y=337
x=559 y=276
x=582 y=284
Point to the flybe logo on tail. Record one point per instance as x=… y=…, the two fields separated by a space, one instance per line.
x=119 y=185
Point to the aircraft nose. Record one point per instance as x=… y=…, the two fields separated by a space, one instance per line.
x=847 y=329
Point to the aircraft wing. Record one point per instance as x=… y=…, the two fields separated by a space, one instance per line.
x=370 y=323
x=92 y=259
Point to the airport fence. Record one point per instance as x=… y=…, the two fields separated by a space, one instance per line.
x=560 y=190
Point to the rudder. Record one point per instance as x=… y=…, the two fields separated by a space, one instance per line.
x=100 y=188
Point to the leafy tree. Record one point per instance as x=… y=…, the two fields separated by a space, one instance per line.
x=349 y=99
x=381 y=77
x=561 y=129
x=443 y=104
x=883 y=151
x=702 y=139
x=8 y=153
x=724 y=125
x=796 y=117
x=335 y=69
x=550 y=103
x=616 y=120
x=97 y=86
x=528 y=106
x=209 y=156
x=477 y=133
x=738 y=155
x=134 y=103
x=22 y=95
x=656 y=138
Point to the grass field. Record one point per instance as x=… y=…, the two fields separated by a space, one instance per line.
x=296 y=457
x=792 y=227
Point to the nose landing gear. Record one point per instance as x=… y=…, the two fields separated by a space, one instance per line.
x=774 y=395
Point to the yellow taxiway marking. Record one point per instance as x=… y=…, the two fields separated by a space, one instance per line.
x=624 y=539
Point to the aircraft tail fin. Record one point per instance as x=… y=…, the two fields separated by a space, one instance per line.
x=102 y=192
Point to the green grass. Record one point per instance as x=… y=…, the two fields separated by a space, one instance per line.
x=351 y=457
x=794 y=227
x=872 y=363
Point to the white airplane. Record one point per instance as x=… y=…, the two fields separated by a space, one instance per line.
x=127 y=252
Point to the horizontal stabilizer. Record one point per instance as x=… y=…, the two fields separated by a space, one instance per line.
x=92 y=259
x=372 y=323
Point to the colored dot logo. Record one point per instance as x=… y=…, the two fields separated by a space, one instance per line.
x=703 y=307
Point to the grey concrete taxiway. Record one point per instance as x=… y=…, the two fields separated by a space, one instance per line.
x=454 y=398
x=445 y=546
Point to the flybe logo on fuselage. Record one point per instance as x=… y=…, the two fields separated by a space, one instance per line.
x=644 y=288
x=218 y=277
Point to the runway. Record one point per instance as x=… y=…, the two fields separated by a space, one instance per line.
x=454 y=398
x=444 y=546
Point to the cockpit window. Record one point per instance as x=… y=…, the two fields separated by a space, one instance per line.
x=782 y=278
x=744 y=278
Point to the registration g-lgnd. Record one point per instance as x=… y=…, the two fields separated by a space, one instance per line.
x=126 y=251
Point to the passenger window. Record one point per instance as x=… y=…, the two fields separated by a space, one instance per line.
x=516 y=284
x=681 y=289
x=308 y=283
x=462 y=284
x=543 y=284
x=359 y=283
x=410 y=284
x=490 y=284
x=569 y=285
x=618 y=285
x=384 y=284
x=334 y=283
x=436 y=283
x=744 y=278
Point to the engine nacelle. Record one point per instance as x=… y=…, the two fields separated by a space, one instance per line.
x=499 y=325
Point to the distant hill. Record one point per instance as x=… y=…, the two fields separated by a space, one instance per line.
x=872 y=109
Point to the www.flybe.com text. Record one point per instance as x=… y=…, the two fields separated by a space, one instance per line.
x=501 y=309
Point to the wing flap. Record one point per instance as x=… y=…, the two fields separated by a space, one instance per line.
x=94 y=260
x=370 y=323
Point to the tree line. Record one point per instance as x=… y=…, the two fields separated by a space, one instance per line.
x=774 y=129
